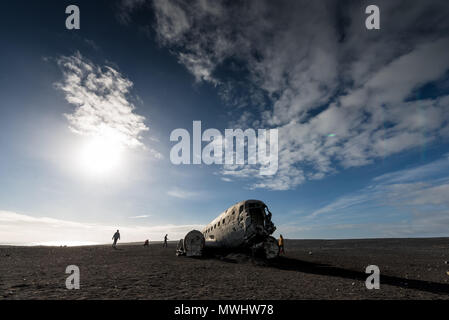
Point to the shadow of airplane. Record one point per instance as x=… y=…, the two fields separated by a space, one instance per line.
x=291 y=264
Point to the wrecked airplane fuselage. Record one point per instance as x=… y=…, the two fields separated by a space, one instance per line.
x=246 y=224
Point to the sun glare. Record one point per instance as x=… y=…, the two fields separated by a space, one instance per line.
x=100 y=156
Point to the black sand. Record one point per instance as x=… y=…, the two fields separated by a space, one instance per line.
x=311 y=269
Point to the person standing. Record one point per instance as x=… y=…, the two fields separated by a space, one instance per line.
x=115 y=237
x=281 y=244
x=165 y=241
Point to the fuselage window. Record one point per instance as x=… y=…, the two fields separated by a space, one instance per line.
x=240 y=210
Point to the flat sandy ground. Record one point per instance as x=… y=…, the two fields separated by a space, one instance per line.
x=311 y=269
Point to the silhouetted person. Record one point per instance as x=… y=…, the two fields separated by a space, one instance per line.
x=115 y=237
x=281 y=244
x=147 y=243
x=165 y=241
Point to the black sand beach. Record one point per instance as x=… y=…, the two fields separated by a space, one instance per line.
x=311 y=269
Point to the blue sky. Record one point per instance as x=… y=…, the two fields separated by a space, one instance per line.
x=362 y=117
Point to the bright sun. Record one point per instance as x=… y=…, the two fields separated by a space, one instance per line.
x=100 y=155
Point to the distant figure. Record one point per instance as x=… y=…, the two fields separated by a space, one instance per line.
x=281 y=244
x=147 y=243
x=115 y=237
x=165 y=241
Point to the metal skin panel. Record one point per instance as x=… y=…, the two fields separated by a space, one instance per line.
x=194 y=243
x=240 y=229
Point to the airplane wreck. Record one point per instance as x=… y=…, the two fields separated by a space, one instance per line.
x=245 y=225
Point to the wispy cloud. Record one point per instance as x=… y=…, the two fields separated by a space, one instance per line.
x=102 y=106
x=125 y=9
x=344 y=203
x=18 y=228
x=183 y=194
x=414 y=201
x=420 y=185
x=431 y=170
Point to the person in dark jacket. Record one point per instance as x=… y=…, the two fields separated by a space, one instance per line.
x=115 y=237
x=165 y=241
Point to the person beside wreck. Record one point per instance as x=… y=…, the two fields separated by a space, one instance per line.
x=165 y=241
x=281 y=244
x=115 y=237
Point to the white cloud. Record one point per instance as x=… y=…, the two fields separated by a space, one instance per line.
x=411 y=202
x=420 y=194
x=172 y=20
x=23 y=229
x=183 y=194
x=422 y=185
x=431 y=170
x=394 y=82
x=100 y=96
x=344 y=203
x=141 y=216
x=341 y=97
